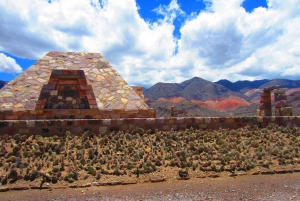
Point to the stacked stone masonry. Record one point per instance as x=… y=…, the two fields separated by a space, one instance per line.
x=280 y=102
x=79 y=126
x=71 y=85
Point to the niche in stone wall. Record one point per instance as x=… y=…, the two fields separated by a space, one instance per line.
x=67 y=89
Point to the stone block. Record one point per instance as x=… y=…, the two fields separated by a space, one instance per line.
x=189 y=120
x=228 y=125
x=11 y=117
x=237 y=119
x=103 y=129
x=279 y=97
x=279 y=91
x=106 y=122
x=202 y=126
x=89 y=112
x=179 y=120
x=115 y=116
x=215 y=120
x=161 y=120
x=77 y=130
x=79 y=116
x=229 y=120
x=166 y=127
x=222 y=119
x=85 y=87
x=42 y=101
x=266 y=105
x=258 y=112
x=124 y=127
x=50 y=123
x=152 y=113
x=92 y=101
x=82 y=81
x=170 y=120
x=271 y=124
x=259 y=119
x=8 y=130
x=150 y=121
x=265 y=112
x=48 y=112
x=265 y=99
x=94 y=122
x=139 y=121
x=19 y=124
x=27 y=117
x=24 y=131
x=245 y=119
x=82 y=122
x=20 y=113
x=117 y=111
x=30 y=124
x=273 y=118
x=199 y=120
x=120 y=122
x=207 y=120
x=74 y=111
x=81 y=92
x=36 y=112
x=268 y=89
x=180 y=126
x=94 y=106
x=3 y=124
x=266 y=119
x=282 y=103
x=61 y=112
x=286 y=111
x=53 y=80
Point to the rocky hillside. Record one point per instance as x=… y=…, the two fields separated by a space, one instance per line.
x=195 y=88
x=199 y=97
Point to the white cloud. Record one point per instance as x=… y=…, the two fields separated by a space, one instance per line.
x=230 y=43
x=222 y=42
x=8 y=64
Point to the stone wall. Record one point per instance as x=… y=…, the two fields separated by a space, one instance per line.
x=78 y=126
x=50 y=114
x=280 y=102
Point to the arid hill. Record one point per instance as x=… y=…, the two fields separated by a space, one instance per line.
x=199 y=97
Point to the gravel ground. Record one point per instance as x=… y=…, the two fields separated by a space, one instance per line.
x=248 y=187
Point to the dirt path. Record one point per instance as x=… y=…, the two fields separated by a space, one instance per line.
x=258 y=187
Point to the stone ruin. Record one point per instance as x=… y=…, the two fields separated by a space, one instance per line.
x=71 y=85
x=280 y=102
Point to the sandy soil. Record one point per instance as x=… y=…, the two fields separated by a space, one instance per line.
x=247 y=187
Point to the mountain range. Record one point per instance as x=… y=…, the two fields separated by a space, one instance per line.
x=199 y=97
x=2 y=83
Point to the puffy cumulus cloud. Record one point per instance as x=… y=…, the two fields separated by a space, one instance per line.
x=31 y=28
x=228 y=42
x=221 y=42
x=8 y=64
x=170 y=12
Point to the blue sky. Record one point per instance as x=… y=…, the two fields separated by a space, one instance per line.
x=158 y=40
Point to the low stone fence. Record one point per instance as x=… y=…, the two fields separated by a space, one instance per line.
x=78 y=126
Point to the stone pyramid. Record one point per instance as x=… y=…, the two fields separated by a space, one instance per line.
x=71 y=85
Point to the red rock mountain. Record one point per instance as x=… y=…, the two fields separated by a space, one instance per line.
x=199 y=97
